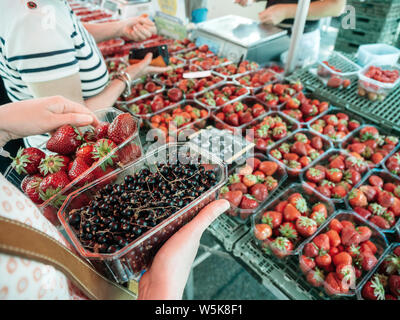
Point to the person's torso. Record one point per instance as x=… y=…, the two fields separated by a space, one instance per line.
x=86 y=55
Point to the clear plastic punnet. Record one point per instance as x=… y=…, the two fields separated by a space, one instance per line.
x=374 y=89
x=339 y=128
x=216 y=97
x=255 y=80
x=250 y=102
x=377 y=284
x=127 y=152
x=302 y=147
x=336 y=271
x=269 y=177
x=374 y=144
x=130 y=260
x=369 y=204
x=281 y=226
x=335 y=174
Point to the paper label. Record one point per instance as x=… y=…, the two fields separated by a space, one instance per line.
x=196 y=75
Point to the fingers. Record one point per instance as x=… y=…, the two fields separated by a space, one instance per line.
x=69 y=112
x=156 y=70
x=207 y=216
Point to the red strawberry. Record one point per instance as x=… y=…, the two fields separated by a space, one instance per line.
x=129 y=153
x=79 y=166
x=101 y=130
x=350 y=236
x=394 y=285
x=122 y=128
x=175 y=94
x=65 y=140
x=373 y=289
x=248 y=202
x=150 y=86
x=259 y=191
x=53 y=164
x=234 y=197
x=28 y=160
x=32 y=189
x=85 y=152
x=53 y=184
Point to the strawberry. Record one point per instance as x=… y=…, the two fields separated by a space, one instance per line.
x=28 y=160
x=101 y=130
x=79 y=166
x=175 y=94
x=53 y=184
x=234 y=197
x=53 y=164
x=262 y=231
x=233 y=120
x=85 y=152
x=289 y=231
x=65 y=140
x=281 y=247
x=122 y=128
x=306 y=226
x=394 y=285
x=259 y=191
x=248 y=202
x=32 y=189
x=129 y=153
x=373 y=289
x=291 y=213
x=150 y=87
x=350 y=236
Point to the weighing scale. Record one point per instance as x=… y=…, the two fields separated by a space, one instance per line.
x=129 y=8
x=238 y=38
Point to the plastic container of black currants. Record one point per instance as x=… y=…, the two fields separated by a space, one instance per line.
x=120 y=222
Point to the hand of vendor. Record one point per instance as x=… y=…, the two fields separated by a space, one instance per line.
x=138 y=28
x=31 y=117
x=167 y=277
x=144 y=68
x=273 y=15
x=243 y=3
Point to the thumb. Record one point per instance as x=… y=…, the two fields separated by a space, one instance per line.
x=147 y=60
x=207 y=216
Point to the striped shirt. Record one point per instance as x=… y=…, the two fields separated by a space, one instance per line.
x=46 y=43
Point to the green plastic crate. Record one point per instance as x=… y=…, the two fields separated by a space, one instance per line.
x=377 y=24
x=384 y=9
x=346 y=46
x=363 y=36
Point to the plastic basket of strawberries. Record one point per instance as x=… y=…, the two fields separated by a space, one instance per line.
x=268 y=130
x=250 y=185
x=141 y=88
x=171 y=78
x=255 y=80
x=336 y=174
x=75 y=157
x=286 y=222
x=300 y=151
x=234 y=69
x=392 y=164
x=194 y=86
x=221 y=94
x=377 y=199
x=237 y=115
x=336 y=125
x=373 y=144
x=383 y=282
x=339 y=256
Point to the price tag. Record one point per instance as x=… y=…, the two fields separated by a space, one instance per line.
x=196 y=75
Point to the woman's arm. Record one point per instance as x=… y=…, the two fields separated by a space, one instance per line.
x=136 y=29
x=318 y=9
x=70 y=87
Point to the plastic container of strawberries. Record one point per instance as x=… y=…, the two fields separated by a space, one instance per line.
x=377 y=237
x=189 y=127
x=250 y=101
x=243 y=215
x=190 y=55
x=128 y=262
x=162 y=78
x=222 y=70
x=324 y=162
x=334 y=111
x=387 y=178
x=309 y=195
x=216 y=62
x=142 y=93
x=376 y=269
x=377 y=87
x=356 y=134
x=110 y=46
x=327 y=146
x=241 y=78
x=396 y=153
x=127 y=106
x=220 y=85
x=291 y=124
x=50 y=207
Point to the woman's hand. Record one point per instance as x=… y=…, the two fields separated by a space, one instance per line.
x=38 y=116
x=273 y=15
x=138 y=28
x=243 y=3
x=143 y=68
x=171 y=267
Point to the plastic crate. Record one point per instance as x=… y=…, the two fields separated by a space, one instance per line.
x=377 y=24
x=385 y=9
x=385 y=114
x=348 y=46
x=284 y=279
x=227 y=231
x=368 y=36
